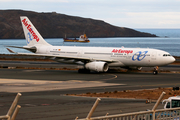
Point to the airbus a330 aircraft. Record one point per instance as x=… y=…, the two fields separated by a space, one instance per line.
x=92 y=58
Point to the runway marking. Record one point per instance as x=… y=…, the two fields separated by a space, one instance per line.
x=80 y=81
x=32 y=70
x=31 y=105
x=16 y=85
x=115 y=76
x=160 y=85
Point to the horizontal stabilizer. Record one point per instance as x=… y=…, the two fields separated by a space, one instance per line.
x=10 y=50
x=31 y=49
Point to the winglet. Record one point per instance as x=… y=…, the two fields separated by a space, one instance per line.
x=10 y=50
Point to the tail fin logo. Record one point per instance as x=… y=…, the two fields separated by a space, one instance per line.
x=29 y=37
x=25 y=22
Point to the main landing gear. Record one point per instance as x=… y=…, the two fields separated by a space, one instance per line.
x=155 y=72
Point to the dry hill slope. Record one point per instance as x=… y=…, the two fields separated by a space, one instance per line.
x=55 y=25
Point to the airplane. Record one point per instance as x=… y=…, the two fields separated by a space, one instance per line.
x=97 y=59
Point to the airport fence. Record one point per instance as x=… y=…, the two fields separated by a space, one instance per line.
x=11 y=114
x=161 y=114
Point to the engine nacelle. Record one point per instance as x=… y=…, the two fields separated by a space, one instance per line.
x=97 y=66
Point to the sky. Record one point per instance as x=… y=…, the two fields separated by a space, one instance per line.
x=122 y=13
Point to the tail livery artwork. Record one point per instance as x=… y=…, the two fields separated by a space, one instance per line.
x=92 y=58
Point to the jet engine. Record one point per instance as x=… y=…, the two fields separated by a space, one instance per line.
x=97 y=66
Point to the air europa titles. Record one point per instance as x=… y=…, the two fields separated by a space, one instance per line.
x=122 y=51
x=30 y=29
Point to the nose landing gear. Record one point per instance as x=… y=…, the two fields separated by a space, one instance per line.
x=155 y=72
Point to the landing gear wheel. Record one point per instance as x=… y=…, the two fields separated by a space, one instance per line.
x=155 y=72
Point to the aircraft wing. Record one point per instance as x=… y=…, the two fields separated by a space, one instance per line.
x=79 y=58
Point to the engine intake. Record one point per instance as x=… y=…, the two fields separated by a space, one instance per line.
x=97 y=66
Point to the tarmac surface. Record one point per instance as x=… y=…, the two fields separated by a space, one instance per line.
x=44 y=92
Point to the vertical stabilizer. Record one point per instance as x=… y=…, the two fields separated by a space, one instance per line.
x=32 y=36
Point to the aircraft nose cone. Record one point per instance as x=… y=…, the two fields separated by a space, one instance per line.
x=172 y=59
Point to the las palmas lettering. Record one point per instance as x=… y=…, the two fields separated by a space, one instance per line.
x=30 y=30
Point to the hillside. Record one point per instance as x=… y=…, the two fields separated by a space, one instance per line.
x=56 y=25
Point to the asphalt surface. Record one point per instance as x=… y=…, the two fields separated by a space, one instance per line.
x=44 y=92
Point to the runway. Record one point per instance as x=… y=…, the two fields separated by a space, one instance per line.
x=44 y=91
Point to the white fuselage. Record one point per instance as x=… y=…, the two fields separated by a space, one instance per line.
x=93 y=58
x=139 y=57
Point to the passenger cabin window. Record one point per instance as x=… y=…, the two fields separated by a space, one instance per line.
x=175 y=103
x=166 y=55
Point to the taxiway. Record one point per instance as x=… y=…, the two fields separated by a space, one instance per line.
x=44 y=92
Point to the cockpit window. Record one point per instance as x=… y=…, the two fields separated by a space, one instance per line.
x=166 y=55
